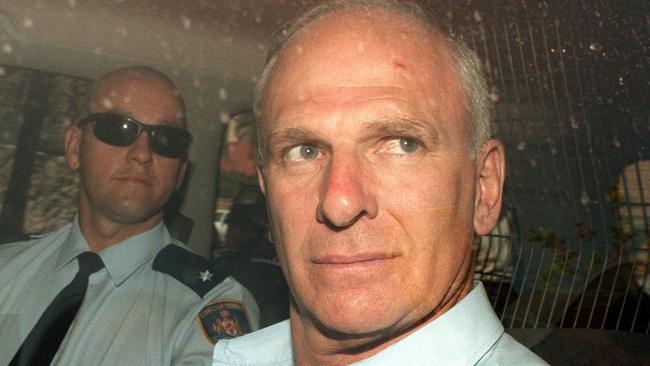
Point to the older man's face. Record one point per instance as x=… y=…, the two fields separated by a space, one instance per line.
x=367 y=175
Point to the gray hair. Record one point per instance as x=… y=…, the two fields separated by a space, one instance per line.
x=466 y=62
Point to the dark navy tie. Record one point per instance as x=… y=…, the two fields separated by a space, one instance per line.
x=44 y=340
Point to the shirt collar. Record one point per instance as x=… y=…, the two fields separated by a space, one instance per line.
x=121 y=259
x=272 y=346
x=460 y=336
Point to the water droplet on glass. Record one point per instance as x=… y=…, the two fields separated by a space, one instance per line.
x=7 y=48
x=553 y=150
x=584 y=198
x=67 y=121
x=107 y=103
x=617 y=142
x=3 y=71
x=477 y=16
x=621 y=81
x=224 y=117
x=187 y=22
x=533 y=163
x=595 y=47
x=223 y=94
x=72 y=3
x=28 y=22
x=521 y=146
x=121 y=31
x=494 y=96
x=574 y=122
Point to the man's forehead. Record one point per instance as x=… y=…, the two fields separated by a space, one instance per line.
x=135 y=95
x=121 y=85
x=346 y=46
x=375 y=21
x=344 y=58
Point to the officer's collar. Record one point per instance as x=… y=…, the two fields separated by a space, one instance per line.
x=121 y=259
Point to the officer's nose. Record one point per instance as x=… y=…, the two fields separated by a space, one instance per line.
x=140 y=151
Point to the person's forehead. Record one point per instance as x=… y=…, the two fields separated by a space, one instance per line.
x=139 y=97
x=375 y=33
x=357 y=50
x=372 y=21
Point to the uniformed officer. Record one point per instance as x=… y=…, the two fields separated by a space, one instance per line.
x=148 y=299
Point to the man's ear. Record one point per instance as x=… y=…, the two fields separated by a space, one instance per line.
x=71 y=143
x=181 y=175
x=489 y=186
x=260 y=177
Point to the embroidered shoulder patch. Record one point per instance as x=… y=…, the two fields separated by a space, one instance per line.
x=222 y=319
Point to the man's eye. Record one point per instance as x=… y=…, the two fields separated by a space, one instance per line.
x=401 y=146
x=302 y=152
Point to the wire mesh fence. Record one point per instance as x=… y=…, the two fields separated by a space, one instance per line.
x=540 y=280
x=569 y=84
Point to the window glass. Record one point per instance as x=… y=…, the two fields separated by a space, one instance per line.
x=36 y=107
x=568 y=84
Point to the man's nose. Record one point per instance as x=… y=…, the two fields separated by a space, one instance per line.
x=346 y=195
x=140 y=151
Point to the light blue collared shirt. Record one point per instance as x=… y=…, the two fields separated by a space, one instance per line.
x=131 y=314
x=467 y=334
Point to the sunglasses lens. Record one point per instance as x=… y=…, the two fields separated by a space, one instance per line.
x=170 y=141
x=115 y=130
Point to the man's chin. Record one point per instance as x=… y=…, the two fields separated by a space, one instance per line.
x=358 y=326
x=131 y=215
x=363 y=337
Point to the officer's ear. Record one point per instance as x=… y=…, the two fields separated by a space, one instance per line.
x=491 y=168
x=181 y=174
x=71 y=148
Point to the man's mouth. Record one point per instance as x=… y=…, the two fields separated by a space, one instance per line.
x=360 y=259
x=134 y=178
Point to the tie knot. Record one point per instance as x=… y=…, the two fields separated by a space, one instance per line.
x=89 y=263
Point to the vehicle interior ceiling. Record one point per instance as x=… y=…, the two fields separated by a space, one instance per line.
x=569 y=86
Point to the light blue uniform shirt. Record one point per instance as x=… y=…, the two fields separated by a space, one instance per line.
x=131 y=315
x=467 y=334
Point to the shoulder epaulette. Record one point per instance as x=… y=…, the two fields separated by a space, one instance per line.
x=190 y=269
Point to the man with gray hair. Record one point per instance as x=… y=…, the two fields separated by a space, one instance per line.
x=378 y=171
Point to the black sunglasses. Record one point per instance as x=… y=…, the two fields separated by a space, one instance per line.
x=118 y=130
